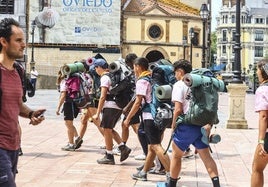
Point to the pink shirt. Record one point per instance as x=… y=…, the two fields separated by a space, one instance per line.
x=261 y=98
x=10 y=108
x=143 y=88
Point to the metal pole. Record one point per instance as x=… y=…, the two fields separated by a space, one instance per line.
x=33 y=28
x=184 y=51
x=204 y=45
x=191 y=51
x=237 y=47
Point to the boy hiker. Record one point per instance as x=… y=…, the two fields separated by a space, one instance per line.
x=110 y=115
x=143 y=95
x=186 y=134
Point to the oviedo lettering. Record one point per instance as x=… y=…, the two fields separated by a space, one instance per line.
x=88 y=3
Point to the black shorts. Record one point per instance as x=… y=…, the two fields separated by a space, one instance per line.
x=152 y=133
x=110 y=117
x=135 y=119
x=70 y=111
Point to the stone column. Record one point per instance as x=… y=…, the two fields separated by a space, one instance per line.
x=237 y=94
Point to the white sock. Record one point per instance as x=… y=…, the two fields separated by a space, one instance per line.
x=109 y=152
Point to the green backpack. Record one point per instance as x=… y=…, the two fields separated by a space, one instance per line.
x=204 y=102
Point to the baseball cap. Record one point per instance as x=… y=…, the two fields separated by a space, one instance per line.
x=101 y=63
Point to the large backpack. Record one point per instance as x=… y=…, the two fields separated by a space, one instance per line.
x=204 y=102
x=161 y=80
x=123 y=83
x=78 y=90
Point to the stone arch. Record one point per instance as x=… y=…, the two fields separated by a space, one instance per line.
x=157 y=52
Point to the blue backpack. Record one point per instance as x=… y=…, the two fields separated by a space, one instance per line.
x=161 y=80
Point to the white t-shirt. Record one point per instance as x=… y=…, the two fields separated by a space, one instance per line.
x=181 y=93
x=34 y=74
x=105 y=81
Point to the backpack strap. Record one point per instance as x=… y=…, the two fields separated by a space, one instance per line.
x=146 y=106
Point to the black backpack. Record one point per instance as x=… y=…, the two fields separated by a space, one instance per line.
x=123 y=83
x=26 y=83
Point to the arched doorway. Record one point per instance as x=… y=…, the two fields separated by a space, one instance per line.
x=154 y=56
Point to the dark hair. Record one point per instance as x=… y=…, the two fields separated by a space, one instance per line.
x=6 y=28
x=185 y=65
x=130 y=58
x=263 y=69
x=142 y=62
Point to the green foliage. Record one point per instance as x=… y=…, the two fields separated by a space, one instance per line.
x=213 y=43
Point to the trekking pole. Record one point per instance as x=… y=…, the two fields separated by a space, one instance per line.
x=170 y=140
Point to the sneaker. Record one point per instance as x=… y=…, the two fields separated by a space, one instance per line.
x=140 y=167
x=78 y=142
x=20 y=152
x=107 y=159
x=68 y=147
x=188 y=154
x=139 y=176
x=140 y=157
x=157 y=171
x=116 y=151
x=125 y=151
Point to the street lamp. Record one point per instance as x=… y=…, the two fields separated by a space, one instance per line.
x=237 y=47
x=33 y=25
x=204 y=16
x=184 y=42
x=191 y=34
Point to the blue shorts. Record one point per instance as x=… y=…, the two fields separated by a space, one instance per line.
x=8 y=167
x=185 y=135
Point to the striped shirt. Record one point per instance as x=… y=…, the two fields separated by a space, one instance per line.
x=10 y=107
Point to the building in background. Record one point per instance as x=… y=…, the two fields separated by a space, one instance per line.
x=14 y=9
x=156 y=29
x=151 y=28
x=254 y=33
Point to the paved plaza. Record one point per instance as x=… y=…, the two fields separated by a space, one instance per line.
x=44 y=164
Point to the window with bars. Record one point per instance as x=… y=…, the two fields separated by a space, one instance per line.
x=258 y=35
x=258 y=51
x=6 y=6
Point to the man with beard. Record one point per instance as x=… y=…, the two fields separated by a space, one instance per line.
x=12 y=45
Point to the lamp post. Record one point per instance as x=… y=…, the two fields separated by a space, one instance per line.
x=254 y=77
x=184 y=42
x=191 y=34
x=33 y=25
x=204 y=16
x=237 y=47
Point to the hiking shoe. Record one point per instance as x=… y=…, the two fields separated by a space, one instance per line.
x=140 y=167
x=68 y=147
x=116 y=151
x=20 y=152
x=125 y=151
x=107 y=159
x=78 y=142
x=157 y=171
x=140 y=157
x=139 y=176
